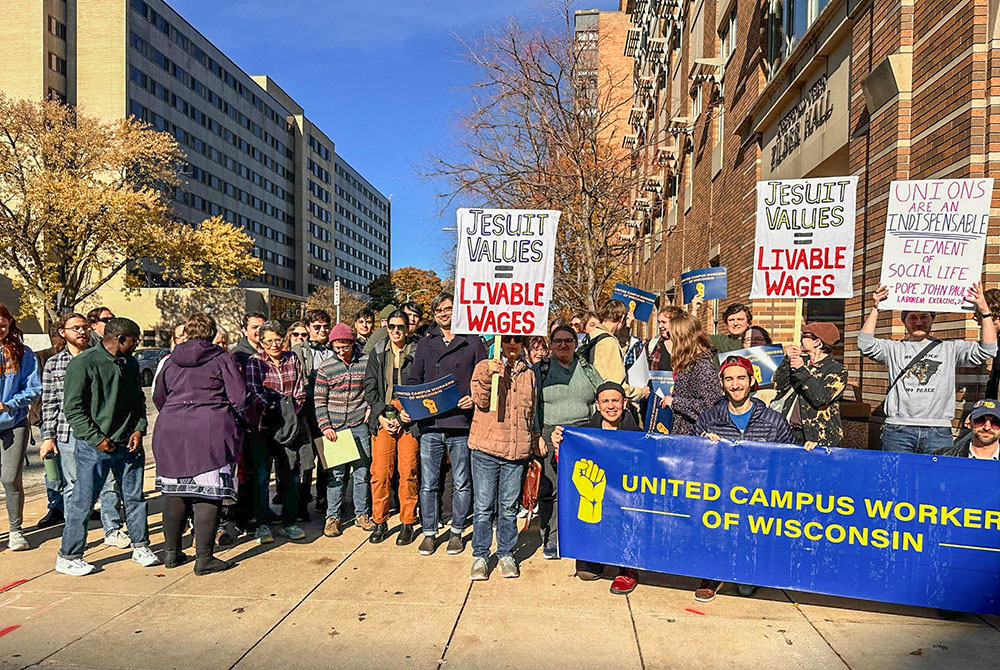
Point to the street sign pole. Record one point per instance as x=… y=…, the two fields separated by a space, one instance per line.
x=336 y=297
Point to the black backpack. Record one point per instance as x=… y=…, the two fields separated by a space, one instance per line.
x=586 y=350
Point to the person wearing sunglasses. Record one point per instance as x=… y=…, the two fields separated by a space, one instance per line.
x=312 y=353
x=298 y=333
x=567 y=390
x=98 y=318
x=809 y=383
x=984 y=420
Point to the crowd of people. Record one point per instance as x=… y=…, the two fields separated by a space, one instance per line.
x=228 y=415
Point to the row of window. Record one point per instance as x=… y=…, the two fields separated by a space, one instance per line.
x=360 y=222
x=355 y=252
x=57 y=28
x=57 y=64
x=354 y=286
x=359 y=271
x=278 y=282
x=269 y=256
x=319 y=212
x=210 y=208
x=320 y=233
x=319 y=253
x=319 y=191
x=210 y=64
x=323 y=274
x=319 y=148
x=152 y=54
x=322 y=174
x=342 y=193
x=353 y=181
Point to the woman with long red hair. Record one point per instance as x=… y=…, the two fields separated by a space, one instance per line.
x=696 y=381
x=19 y=387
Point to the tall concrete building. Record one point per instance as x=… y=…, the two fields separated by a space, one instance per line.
x=253 y=156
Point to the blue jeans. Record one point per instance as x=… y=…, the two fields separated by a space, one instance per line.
x=432 y=448
x=336 y=485
x=497 y=488
x=915 y=439
x=92 y=469
x=60 y=491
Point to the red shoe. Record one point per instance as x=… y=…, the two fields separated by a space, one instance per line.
x=625 y=582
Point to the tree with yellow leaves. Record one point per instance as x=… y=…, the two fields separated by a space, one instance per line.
x=416 y=285
x=83 y=202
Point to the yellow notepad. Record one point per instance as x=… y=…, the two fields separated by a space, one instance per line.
x=334 y=453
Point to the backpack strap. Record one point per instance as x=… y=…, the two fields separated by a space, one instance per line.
x=913 y=361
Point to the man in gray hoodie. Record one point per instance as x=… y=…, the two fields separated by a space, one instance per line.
x=920 y=402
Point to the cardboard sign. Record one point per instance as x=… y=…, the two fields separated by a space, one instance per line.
x=661 y=383
x=765 y=360
x=503 y=275
x=422 y=401
x=805 y=238
x=707 y=283
x=639 y=302
x=337 y=452
x=935 y=236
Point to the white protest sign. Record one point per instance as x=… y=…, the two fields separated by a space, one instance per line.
x=503 y=275
x=935 y=236
x=805 y=238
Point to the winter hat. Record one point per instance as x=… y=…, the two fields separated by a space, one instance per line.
x=826 y=331
x=386 y=311
x=610 y=386
x=341 y=332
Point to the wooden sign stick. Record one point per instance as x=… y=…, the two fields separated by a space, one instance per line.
x=797 y=327
x=495 y=389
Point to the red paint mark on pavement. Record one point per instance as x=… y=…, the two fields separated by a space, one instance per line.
x=688 y=609
x=12 y=585
x=8 y=629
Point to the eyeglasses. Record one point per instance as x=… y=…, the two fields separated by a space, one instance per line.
x=563 y=341
x=275 y=342
x=395 y=326
x=443 y=310
x=77 y=329
x=105 y=319
x=319 y=326
x=987 y=418
x=300 y=334
x=511 y=339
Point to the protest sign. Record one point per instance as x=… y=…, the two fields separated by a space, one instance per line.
x=503 y=273
x=638 y=373
x=765 y=360
x=423 y=401
x=658 y=419
x=661 y=383
x=639 y=302
x=707 y=283
x=935 y=236
x=805 y=238
x=337 y=452
x=896 y=527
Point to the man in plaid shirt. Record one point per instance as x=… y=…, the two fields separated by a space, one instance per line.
x=273 y=374
x=57 y=438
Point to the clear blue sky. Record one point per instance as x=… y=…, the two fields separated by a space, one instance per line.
x=383 y=78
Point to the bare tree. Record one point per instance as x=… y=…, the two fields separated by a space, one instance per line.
x=547 y=129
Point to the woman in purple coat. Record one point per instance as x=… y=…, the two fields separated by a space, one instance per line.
x=696 y=381
x=201 y=396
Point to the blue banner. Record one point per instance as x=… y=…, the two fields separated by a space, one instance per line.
x=707 y=283
x=423 y=401
x=895 y=527
x=639 y=302
x=765 y=360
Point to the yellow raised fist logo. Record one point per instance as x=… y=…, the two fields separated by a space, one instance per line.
x=700 y=289
x=430 y=405
x=590 y=481
x=660 y=428
x=756 y=372
x=631 y=305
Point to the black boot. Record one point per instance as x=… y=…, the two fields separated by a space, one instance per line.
x=53 y=517
x=207 y=564
x=405 y=535
x=380 y=533
x=174 y=557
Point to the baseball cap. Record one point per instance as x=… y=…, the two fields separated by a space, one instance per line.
x=985 y=407
x=742 y=362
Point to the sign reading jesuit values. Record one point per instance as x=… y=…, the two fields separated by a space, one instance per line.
x=503 y=277
x=805 y=238
x=935 y=236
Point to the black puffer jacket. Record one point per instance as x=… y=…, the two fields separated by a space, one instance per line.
x=765 y=424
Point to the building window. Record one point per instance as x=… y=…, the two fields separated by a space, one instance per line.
x=57 y=64
x=57 y=28
x=727 y=37
x=787 y=22
x=695 y=103
x=55 y=94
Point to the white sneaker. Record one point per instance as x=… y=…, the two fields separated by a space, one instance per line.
x=117 y=538
x=75 y=567
x=145 y=557
x=16 y=541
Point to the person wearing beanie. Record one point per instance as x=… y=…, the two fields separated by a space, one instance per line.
x=920 y=401
x=809 y=384
x=340 y=405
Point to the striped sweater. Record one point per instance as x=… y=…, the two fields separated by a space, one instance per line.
x=340 y=396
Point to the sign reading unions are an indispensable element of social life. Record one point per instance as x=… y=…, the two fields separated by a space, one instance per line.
x=503 y=273
x=935 y=237
x=805 y=238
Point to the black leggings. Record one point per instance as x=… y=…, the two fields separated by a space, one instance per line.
x=206 y=517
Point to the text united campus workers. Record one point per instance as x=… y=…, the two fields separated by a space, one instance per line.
x=441 y=353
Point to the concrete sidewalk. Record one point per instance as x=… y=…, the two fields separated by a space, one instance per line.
x=345 y=603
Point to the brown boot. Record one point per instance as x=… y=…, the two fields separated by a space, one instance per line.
x=365 y=522
x=332 y=527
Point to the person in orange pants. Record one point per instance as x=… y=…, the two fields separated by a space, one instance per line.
x=395 y=446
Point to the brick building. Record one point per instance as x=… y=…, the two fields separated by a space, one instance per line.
x=738 y=91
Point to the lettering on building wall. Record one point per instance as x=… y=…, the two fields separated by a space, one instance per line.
x=802 y=120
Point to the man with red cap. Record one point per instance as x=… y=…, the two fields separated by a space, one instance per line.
x=809 y=384
x=340 y=405
x=738 y=416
